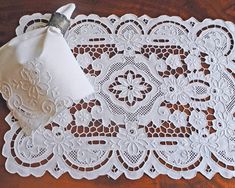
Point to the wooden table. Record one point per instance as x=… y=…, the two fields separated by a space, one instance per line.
x=10 y=13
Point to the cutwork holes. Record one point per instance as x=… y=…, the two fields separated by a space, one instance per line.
x=168 y=22
x=204 y=136
x=96 y=39
x=97 y=142
x=221 y=164
x=114 y=169
x=58 y=134
x=132 y=131
x=171 y=89
x=130 y=87
x=95 y=127
x=95 y=51
x=152 y=169
x=88 y=169
x=214 y=90
x=131 y=24
x=36 y=23
x=190 y=167
x=133 y=160
x=169 y=143
x=56 y=168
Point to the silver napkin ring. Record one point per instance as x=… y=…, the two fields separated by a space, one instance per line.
x=60 y=21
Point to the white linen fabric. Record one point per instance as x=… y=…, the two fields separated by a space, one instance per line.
x=163 y=103
x=37 y=75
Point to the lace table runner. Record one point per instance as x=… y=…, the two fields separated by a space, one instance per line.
x=164 y=102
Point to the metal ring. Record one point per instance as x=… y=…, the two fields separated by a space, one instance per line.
x=60 y=21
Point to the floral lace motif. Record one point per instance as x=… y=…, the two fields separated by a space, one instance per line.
x=164 y=102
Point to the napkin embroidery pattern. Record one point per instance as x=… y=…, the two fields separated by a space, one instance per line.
x=37 y=100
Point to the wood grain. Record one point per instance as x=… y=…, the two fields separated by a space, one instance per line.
x=12 y=10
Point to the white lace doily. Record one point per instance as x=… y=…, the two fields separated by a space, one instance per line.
x=164 y=102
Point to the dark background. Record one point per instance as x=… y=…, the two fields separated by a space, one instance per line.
x=10 y=13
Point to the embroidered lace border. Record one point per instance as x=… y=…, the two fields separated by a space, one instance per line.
x=164 y=102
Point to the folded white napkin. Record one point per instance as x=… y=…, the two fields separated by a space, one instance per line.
x=39 y=76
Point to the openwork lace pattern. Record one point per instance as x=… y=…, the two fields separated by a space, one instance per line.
x=164 y=102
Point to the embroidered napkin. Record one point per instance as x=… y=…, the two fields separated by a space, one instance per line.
x=38 y=72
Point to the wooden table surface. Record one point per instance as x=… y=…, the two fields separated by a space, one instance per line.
x=10 y=13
